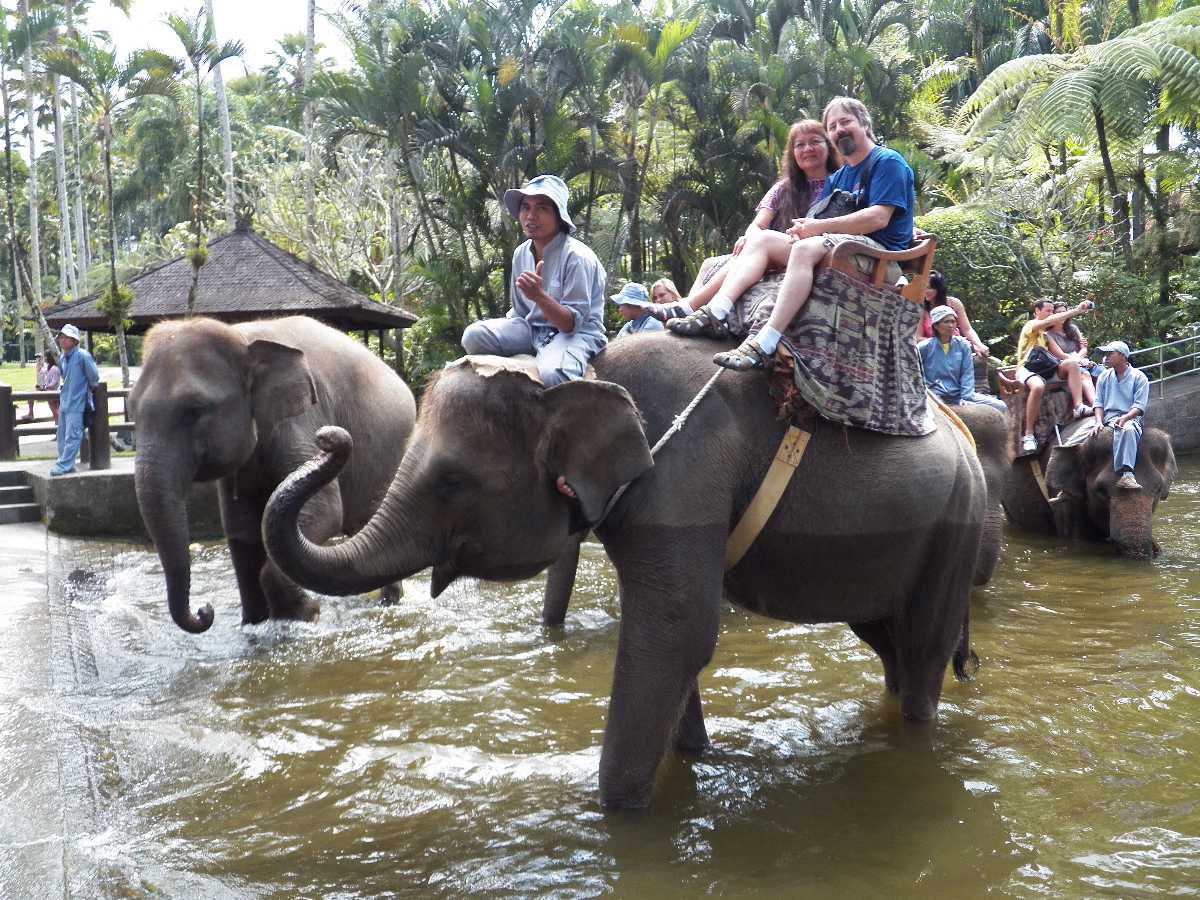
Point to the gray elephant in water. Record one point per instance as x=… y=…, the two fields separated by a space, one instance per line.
x=239 y=404
x=988 y=427
x=1082 y=499
x=877 y=531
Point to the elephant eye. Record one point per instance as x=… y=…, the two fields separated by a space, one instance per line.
x=450 y=483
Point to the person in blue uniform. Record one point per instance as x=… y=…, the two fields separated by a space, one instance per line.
x=948 y=363
x=1122 y=395
x=79 y=376
x=635 y=305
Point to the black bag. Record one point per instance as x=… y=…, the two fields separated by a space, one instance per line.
x=1041 y=361
x=89 y=417
x=842 y=203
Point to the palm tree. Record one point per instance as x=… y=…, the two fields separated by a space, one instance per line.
x=201 y=54
x=111 y=86
x=223 y=113
x=310 y=196
x=35 y=246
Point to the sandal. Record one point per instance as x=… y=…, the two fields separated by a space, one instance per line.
x=746 y=357
x=701 y=323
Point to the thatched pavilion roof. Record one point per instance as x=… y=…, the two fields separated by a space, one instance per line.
x=245 y=277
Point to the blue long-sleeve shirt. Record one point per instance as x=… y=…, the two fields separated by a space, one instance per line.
x=79 y=376
x=949 y=373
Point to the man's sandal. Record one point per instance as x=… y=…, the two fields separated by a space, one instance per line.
x=701 y=323
x=746 y=357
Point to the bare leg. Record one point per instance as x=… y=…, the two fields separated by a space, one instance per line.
x=1074 y=384
x=797 y=283
x=765 y=249
x=1089 y=388
x=702 y=291
x=1036 y=387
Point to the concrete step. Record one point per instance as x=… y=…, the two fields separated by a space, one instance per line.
x=20 y=512
x=17 y=493
x=11 y=477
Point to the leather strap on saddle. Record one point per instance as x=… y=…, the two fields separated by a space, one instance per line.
x=766 y=498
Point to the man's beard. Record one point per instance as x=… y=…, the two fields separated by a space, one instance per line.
x=846 y=144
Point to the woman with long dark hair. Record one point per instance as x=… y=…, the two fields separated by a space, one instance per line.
x=807 y=160
x=936 y=295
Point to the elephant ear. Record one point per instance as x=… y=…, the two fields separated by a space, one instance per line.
x=281 y=385
x=594 y=440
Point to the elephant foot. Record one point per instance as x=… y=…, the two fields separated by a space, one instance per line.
x=391 y=594
x=617 y=795
x=691 y=737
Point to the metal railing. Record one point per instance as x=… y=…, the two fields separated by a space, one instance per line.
x=1174 y=359
x=97 y=448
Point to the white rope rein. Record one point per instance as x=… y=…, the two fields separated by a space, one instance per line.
x=676 y=426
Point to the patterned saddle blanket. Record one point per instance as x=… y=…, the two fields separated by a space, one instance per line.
x=854 y=360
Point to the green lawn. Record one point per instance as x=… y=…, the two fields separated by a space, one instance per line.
x=22 y=379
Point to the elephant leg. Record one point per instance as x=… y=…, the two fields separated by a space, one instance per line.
x=249 y=558
x=691 y=737
x=286 y=598
x=668 y=633
x=878 y=636
x=391 y=594
x=560 y=581
x=926 y=638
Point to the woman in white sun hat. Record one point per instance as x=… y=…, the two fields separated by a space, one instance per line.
x=557 y=289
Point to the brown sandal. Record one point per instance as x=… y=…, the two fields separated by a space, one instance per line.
x=701 y=323
x=744 y=358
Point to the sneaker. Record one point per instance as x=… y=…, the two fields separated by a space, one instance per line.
x=1082 y=410
x=1029 y=444
x=56 y=472
x=701 y=323
x=746 y=357
x=1128 y=482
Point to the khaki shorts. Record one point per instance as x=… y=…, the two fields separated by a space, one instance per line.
x=865 y=264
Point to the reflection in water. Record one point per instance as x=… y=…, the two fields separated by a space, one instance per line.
x=439 y=748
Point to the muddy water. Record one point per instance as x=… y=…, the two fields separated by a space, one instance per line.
x=446 y=748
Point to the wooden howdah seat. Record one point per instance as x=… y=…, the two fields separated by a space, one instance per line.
x=915 y=263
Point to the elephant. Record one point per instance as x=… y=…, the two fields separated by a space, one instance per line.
x=988 y=427
x=1082 y=499
x=878 y=531
x=239 y=404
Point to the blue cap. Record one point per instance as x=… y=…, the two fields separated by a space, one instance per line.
x=550 y=186
x=1117 y=346
x=634 y=294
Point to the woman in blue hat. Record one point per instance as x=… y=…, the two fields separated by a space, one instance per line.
x=557 y=289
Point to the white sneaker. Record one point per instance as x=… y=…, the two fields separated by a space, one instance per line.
x=1029 y=444
x=1128 y=482
x=1082 y=410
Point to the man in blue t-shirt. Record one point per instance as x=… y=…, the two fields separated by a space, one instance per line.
x=884 y=220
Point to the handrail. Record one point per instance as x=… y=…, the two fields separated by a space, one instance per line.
x=98 y=450
x=1183 y=363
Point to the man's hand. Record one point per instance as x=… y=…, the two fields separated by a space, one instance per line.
x=805 y=228
x=530 y=284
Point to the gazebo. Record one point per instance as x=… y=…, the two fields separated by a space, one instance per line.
x=245 y=277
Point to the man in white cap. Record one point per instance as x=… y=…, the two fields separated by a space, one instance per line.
x=79 y=376
x=948 y=363
x=635 y=305
x=557 y=291
x=1122 y=394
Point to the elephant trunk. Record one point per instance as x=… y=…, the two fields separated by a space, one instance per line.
x=384 y=550
x=1129 y=524
x=163 y=504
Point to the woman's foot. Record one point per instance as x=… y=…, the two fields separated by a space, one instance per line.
x=1082 y=410
x=701 y=323
x=746 y=357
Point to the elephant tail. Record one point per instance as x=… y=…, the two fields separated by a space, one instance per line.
x=966 y=661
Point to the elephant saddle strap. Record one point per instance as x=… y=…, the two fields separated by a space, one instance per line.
x=766 y=498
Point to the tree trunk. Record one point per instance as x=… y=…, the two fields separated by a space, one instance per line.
x=1119 y=199
x=35 y=243
x=310 y=189
x=66 y=259
x=223 y=116
x=122 y=349
x=198 y=209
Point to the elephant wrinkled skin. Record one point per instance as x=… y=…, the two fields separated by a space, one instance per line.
x=1084 y=501
x=240 y=404
x=877 y=531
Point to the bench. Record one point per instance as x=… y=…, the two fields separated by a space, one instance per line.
x=916 y=263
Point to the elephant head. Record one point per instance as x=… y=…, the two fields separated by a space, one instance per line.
x=1085 y=498
x=204 y=397
x=499 y=472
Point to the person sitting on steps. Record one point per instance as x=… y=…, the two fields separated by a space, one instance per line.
x=1033 y=334
x=1122 y=395
x=884 y=220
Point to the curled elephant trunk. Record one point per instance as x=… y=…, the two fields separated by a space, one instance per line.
x=163 y=505
x=1129 y=524
x=381 y=553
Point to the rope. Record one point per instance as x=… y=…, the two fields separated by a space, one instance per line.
x=676 y=426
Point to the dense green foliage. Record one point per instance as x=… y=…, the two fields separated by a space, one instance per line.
x=1055 y=146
